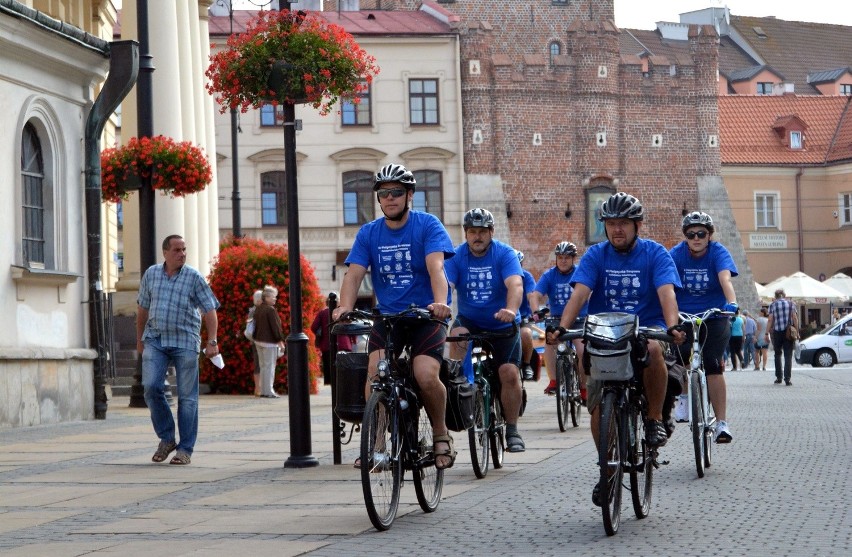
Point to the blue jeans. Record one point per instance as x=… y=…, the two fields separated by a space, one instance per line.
x=748 y=350
x=155 y=362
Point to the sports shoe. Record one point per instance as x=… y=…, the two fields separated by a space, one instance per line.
x=681 y=410
x=596 y=494
x=777 y=381
x=655 y=433
x=551 y=388
x=528 y=372
x=723 y=434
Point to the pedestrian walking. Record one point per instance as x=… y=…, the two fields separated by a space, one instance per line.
x=173 y=300
x=322 y=339
x=761 y=343
x=748 y=342
x=782 y=314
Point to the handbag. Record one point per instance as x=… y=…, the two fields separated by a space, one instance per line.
x=249 y=330
x=792 y=332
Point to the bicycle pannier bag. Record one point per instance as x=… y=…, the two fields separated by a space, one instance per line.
x=608 y=343
x=460 y=396
x=792 y=332
x=351 y=376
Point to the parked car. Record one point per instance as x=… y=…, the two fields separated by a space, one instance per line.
x=830 y=346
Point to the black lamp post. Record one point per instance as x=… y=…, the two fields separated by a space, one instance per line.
x=147 y=220
x=236 y=218
x=297 y=341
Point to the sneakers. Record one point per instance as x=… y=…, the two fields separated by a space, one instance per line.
x=777 y=381
x=551 y=388
x=681 y=409
x=655 y=433
x=528 y=372
x=723 y=434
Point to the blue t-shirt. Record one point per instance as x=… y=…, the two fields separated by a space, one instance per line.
x=557 y=286
x=480 y=282
x=628 y=282
x=529 y=286
x=701 y=288
x=397 y=259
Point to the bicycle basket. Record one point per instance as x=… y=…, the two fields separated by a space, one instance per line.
x=608 y=339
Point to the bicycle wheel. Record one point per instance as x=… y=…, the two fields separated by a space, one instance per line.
x=609 y=457
x=497 y=433
x=562 y=403
x=478 y=435
x=641 y=463
x=381 y=467
x=708 y=435
x=696 y=402
x=574 y=394
x=428 y=480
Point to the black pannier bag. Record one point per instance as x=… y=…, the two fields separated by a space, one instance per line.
x=460 y=396
x=351 y=369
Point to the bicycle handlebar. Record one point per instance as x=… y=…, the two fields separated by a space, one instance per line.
x=697 y=317
x=485 y=335
x=412 y=312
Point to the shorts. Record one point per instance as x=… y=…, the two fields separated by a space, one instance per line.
x=715 y=336
x=426 y=338
x=503 y=350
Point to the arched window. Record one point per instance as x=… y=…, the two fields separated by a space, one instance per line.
x=34 y=202
x=358 y=207
x=554 y=49
x=429 y=193
x=273 y=198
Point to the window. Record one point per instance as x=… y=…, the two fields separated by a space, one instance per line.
x=33 y=206
x=795 y=140
x=766 y=207
x=358 y=197
x=846 y=89
x=271 y=115
x=356 y=114
x=555 y=49
x=273 y=198
x=764 y=88
x=428 y=195
x=845 y=208
x=423 y=101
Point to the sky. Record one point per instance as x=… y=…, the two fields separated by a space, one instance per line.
x=643 y=14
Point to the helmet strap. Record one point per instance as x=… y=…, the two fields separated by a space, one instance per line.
x=400 y=216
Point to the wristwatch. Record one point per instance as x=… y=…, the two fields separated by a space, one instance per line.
x=212 y=342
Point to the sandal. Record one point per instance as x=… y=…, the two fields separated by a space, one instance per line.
x=515 y=443
x=181 y=458
x=163 y=451
x=450 y=452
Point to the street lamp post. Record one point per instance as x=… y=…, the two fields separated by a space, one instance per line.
x=236 y=218
x=298 y=391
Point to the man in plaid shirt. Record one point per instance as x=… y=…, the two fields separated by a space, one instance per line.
x=782 y=312
x=173 y=298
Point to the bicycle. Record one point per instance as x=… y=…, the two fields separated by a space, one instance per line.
x=616 y=343
x=701 y=417
x=488 y=434
x=395 y=434
x=568 y=399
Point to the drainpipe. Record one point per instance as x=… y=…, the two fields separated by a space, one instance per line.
x=799 y=218
x=123 y=68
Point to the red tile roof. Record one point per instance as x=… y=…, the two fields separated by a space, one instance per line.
x=747 y=135
x=363 y=22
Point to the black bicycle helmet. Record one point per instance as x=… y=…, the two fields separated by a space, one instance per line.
x=478 y=218
x=622 y=206
x=565 y=248
x=697 y=218
x=395 y=173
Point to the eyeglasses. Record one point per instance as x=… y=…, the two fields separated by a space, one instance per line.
x=691 y=235
x=394 y=193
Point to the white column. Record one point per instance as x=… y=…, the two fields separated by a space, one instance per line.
x=199 y=65
x=163 y=35
x=209 y=222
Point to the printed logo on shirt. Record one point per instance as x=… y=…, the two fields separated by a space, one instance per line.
x=696 y=281
x=395 y=265
x=480 y=284
x=622 y=290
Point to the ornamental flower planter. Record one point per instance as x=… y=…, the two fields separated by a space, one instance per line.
x=287 y=57
x=176 y=168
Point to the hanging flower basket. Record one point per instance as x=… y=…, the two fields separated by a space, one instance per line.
x=287 y=57
x=177 y=168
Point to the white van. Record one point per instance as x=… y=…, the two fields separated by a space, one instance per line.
x=830 y=346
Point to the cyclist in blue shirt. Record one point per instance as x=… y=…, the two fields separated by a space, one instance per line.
x=555 y=285
x=632 y=275
x=405 y=252
x=705 y=268
x=526 y=328
x=486 y=276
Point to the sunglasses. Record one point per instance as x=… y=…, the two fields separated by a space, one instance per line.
x=701 y=234
x=394 y=193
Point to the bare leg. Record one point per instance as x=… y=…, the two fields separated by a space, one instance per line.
x=718 y=393
x=526 y=345
x=434 y=395
x=550 y=361
x=510 y=394
x=655 y=380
